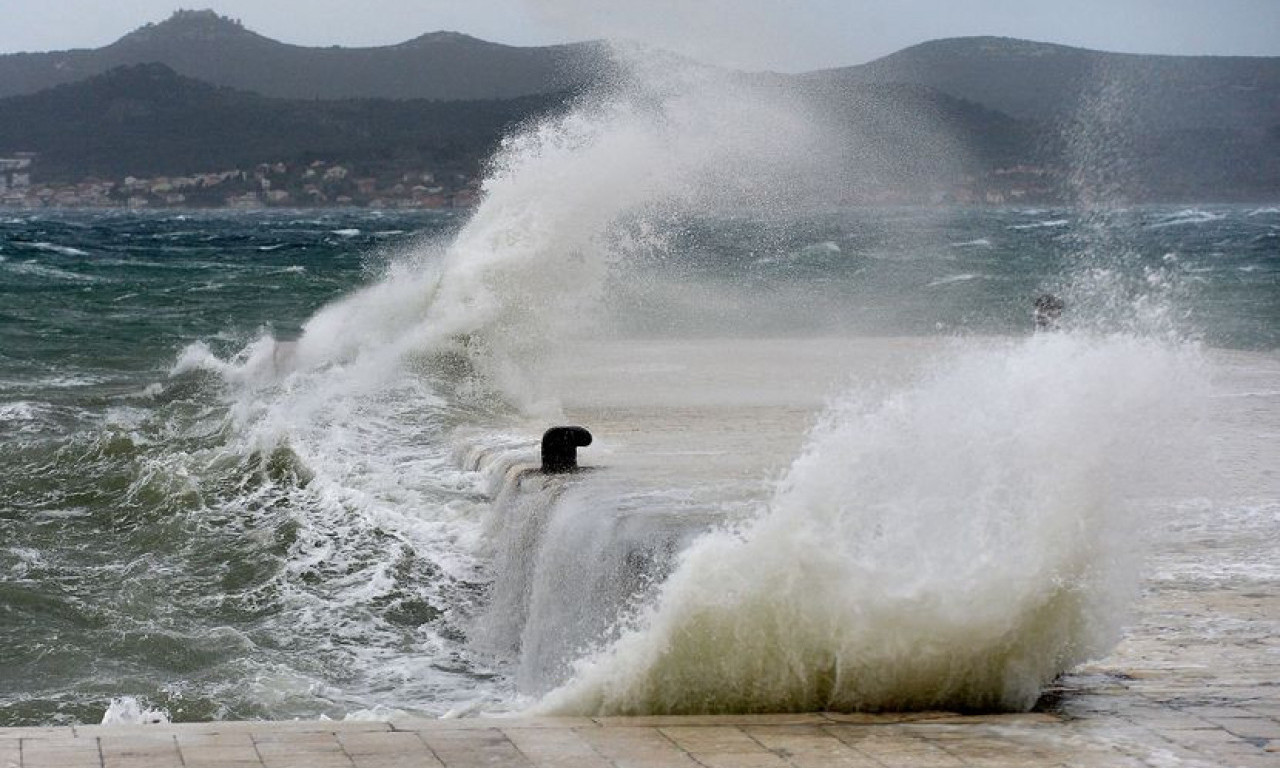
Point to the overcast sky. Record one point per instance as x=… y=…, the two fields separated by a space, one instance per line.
x=757 y=34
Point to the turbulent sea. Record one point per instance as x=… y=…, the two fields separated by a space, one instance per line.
x=229 y=476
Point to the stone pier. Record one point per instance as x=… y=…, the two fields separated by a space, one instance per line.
x=1142 y=732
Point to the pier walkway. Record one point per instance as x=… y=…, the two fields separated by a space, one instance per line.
x=1141 y=733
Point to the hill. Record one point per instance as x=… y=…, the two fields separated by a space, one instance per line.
x=149 y=120
x=1055 y=83
x=970 y=119
x=220 y=51
x=1128 y=126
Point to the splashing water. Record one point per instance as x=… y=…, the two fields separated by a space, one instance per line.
x=127 y=710
x=957 y=545
x=528 y=269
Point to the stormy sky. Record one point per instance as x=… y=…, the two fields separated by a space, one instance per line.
x=789 y=35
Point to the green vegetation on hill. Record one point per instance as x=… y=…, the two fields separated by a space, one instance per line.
x=1053 y=83
x=970 y=119
x=146 y=120
x=1143 y=127
x=205 y=46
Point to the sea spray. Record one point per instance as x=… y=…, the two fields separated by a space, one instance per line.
x=342 y=439
x=955 y=545
x=127 y=710
x=529 y=268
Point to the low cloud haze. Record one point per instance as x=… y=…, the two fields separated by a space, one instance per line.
x=753 y=34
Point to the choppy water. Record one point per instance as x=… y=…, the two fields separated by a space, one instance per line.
x=223 y=527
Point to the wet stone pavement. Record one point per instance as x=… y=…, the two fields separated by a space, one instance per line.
x=1141 y=735
x=1193 y=699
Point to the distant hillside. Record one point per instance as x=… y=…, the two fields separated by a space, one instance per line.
x=148 y=120
x=218 y=50
x=1053 y=83
x=969 y=120
x=1124 y=126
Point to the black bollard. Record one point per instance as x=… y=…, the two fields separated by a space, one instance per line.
x=560 y=448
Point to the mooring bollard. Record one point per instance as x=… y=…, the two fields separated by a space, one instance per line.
x=560 y=448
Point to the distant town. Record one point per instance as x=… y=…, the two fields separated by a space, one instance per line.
x=318 y=183
x=321 y=183
x=197 y=111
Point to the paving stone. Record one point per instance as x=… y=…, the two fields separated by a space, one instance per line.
x=77 y=757
x=155 y=743
x=280 y=726
x=636 y=747
x=1250 y=727
x=396 y=761
x=1217 y=712
x=558 y=748
x=474 y=748
x=809 y=747
x=295 y=740
x=193 y=741
x=307 y=760
x=245 y=754
x=886 y=718
x=392 y=743
x=1021 y=718
x=37 y=733
x=1243 y=761
x=214 y=761
x=730 y=739
x=651 y=721
x=1265 y=709
x=894 y=747
x=722 y=746
x=142 y=761
x=482 y=723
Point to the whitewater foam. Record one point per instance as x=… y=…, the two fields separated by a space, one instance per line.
x=1189 y=216
x=955 y=545
x=61 y=250
x=127 y=710
x=1047 y=224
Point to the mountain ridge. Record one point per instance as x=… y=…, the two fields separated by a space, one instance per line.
x=1048 y=82
x=147 y=119
x=206 y=46
x=1144 y=127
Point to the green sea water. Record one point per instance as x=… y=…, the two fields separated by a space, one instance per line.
x=153 y=546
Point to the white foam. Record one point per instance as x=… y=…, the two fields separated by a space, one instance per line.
x=62 y=250
x=42 y=270
x=1189 y=216
x=19 y=411
x=952 y=279
x=127 y=710
x=954 y=545
x=1049 y=224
